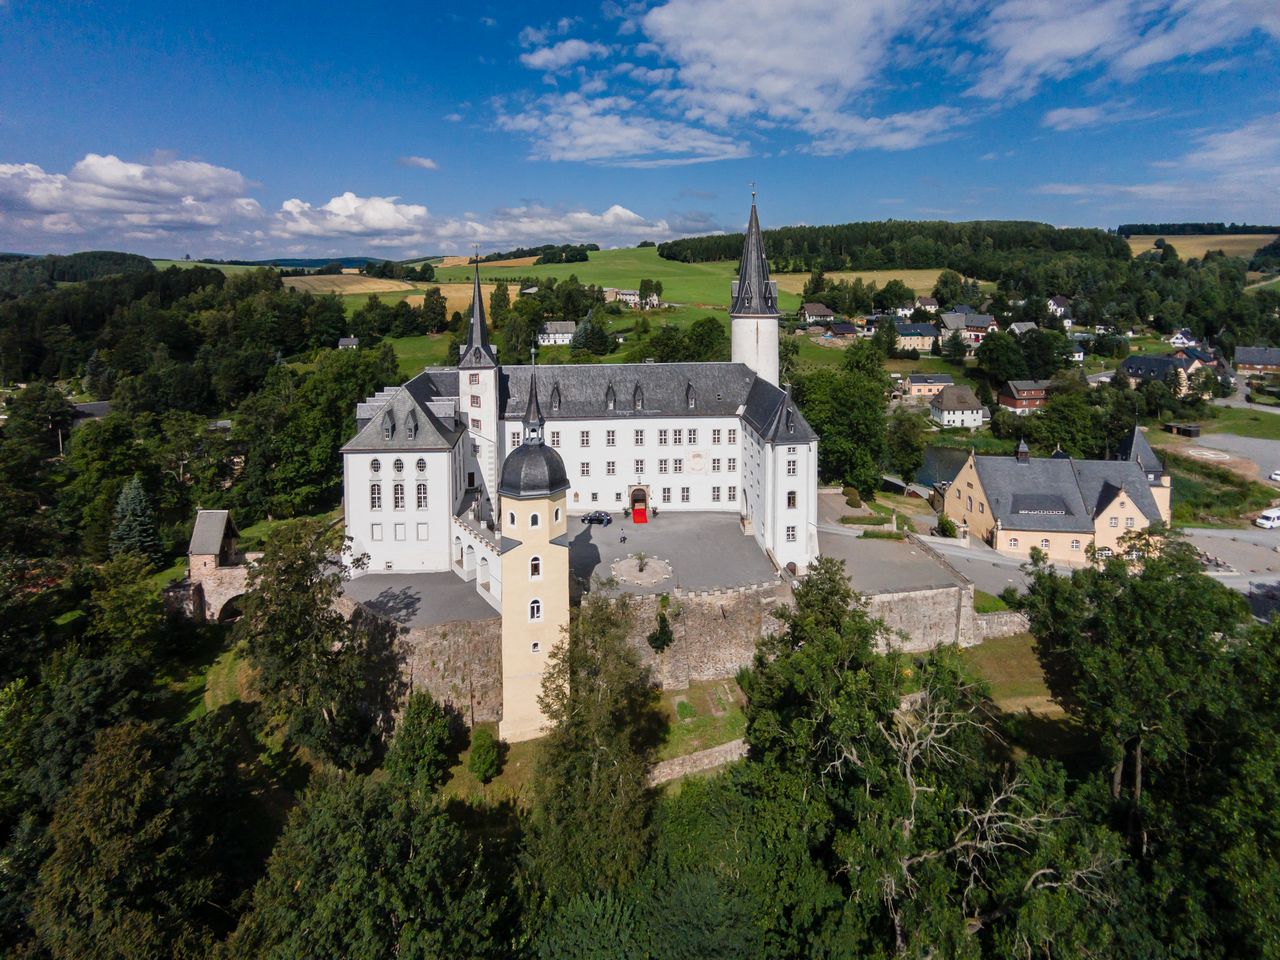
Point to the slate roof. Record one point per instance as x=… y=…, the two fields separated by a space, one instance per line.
x=559 y=326
x=533 y=469
x=1059 y=494
x=843 y=328
x=414 y=425
x=348 y=342
x=952 y=320
x=818 y=310
x=1153 y=368
x=1135 y=448
x=1059 y=301
x=926 y=302
x=477 y=353
x=930 y=378
x=754 y=294
x=1027 y=386
x=1258 y=356
x=1022 y=326
x=916 y=329
x=956 y=398
x=212 y=526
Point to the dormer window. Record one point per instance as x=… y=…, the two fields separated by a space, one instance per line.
x=388 y=426
x=555 y=398
x=411 y=425
x=639 y=398
x=689 y=396
x=610 y=399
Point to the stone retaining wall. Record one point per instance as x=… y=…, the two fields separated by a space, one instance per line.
x=924 y=619
x=708 y=759
x=1005 y=623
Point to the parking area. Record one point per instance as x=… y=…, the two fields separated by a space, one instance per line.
x=878 y=566
x=419 y=599
x=1265 y=454
x=706 y=551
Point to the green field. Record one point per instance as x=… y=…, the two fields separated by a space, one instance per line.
x=186 y=264
x=686 y=283
x=1265 y=285
x=1244 y=423
x=414 y=353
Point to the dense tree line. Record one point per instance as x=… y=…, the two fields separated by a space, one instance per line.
x=545 y=250
x=1190 y=229
x=22 y=276
x=1267 y=259
x=902 y=243
x=393 y=270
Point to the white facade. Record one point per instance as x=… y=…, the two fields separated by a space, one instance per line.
x=754 y=342
x=401 y=518
x=970 y=419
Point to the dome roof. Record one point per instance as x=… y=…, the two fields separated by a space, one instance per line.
x=532 y=470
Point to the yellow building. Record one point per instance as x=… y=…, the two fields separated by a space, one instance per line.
x=535 y=573
x=1058 y=504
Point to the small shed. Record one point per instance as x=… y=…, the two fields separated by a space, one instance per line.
x=213 y=541
x=1183 y=429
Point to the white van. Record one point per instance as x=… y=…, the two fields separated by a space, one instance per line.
x=1268 y=519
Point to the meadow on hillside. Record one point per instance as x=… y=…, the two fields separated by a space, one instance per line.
x=1198 y=244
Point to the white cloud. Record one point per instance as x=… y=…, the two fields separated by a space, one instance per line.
x=1030 y=41
x=1074 y=118
x=608 y=130
x=453 y=117
x=1233 y=174
x=423 y=163
x=563 y=54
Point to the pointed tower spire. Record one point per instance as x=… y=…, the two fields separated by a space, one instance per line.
x=477 y=352
x=753 y=294
x=533 y=421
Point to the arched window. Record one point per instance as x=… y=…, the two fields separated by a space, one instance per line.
x=388 y=426
x=535 y=647
x=1044 y=544
x=422 y=496
x=511 y=519
x=689 y=396
x=610 y=400
x=411 y=425
x=422 y=465
x=555 y=398
x=535 y=568
x=535 y=610
x=1013 y=543
x=375 y=496
x=533 y=519
x=1075 y=544
x=397 y=496
x=375 y=465
x=398 y=466
x=557 y=514
x=638 y=398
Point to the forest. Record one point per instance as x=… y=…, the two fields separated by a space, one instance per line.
x=1190 y=229
x=22 y=276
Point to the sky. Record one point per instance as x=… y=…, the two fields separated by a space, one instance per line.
x=268 y=130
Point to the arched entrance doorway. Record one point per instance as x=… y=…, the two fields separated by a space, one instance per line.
x=638 y=496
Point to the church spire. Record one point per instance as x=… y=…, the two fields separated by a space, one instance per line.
x=533 y=420
x=477 y=352
x=754 y=295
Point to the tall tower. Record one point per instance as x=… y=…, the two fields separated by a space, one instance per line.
x=535 y=572
x=478 y=394
x=754 y=310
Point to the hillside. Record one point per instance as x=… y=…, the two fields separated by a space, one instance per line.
x=1243 y=245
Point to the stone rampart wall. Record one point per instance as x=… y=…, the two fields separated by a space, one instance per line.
x=1006 y=623
x=923 y=619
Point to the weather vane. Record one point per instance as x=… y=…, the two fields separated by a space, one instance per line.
x=753 y=189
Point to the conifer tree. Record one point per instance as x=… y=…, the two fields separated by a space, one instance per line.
x=134 y=528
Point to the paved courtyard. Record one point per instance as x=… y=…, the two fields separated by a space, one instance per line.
x=706 y=551
x=877 y=566
x=419 y=599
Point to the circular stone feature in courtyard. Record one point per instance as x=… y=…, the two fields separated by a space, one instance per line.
x=628 y=570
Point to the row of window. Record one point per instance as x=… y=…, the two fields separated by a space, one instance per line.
x=375 y=465
x=398 y=530
x=534 y=519
x=675 y=465
x=397 y=496
x=675 y=437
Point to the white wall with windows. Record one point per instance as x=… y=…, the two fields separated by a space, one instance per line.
x=687 y=464
x=400 y=517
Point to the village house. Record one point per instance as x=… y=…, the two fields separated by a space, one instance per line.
x=1059 y=305
x=1058 y=504
x=1022 y=397
x=1021 y=327
x=1183 y=338
x=925 y=385
x=816 y=313
x=842 y=329
x=1258 y=360
x=916 y=336
x=971 y=325
x=557 y=333
x=927 y=303
x=631 y=298
x=1173 y=372
x=348 y=343
x=956 y=406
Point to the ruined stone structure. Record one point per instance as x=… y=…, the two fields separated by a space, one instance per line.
x=217 y=574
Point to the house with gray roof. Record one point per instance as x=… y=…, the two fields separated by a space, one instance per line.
x=1060 y=505
x=957 y=406
x=557 y=333
x=1260 y=360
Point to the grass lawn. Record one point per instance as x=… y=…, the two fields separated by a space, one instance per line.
x=414 y=353
x=227 y=268
x=984 y=602
x=514 y=783
x=981 y=441
x=686 y=283
x=705 y=715
x=175 y=571
x=1244 y=423
x=1265 y=285
x=254 y=536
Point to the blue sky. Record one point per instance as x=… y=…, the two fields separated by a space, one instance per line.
x=257 y=130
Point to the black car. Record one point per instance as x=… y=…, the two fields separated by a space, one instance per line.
x=597 y=516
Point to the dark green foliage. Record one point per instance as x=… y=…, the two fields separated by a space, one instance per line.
x=486 y=755
x=591 y=336
x=19 y=278
x=1190 y=229
x=847 y=410
x=134 y=528
x=331 y=683
x=425 y=744
x=368 y=870
x=661 y=636
x=591 y=823
x=905 y=442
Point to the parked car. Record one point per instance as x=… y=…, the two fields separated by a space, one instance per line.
x=1275 y=476
x=597 y=516
x=1268 y=519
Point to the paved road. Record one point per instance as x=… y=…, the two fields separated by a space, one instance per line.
x=1265 y=453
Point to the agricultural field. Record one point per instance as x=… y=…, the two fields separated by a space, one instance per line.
x=1198 y=244
x=415 y=353
x=921 y=281
x=345 y=283
x=457 y=295
x=227 y=268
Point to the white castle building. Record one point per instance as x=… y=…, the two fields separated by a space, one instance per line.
x=469 y=468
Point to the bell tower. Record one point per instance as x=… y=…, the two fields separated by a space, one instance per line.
x=478 y=395
x=535 y=572
x=754 y=307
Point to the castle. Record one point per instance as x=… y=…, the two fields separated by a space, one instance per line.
x=478 y=468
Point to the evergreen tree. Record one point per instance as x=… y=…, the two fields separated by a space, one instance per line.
x=424 y=745
x=134 y=529
x=486 y=755
x=954 y=348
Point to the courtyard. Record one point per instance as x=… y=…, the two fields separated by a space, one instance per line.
x=419 y=599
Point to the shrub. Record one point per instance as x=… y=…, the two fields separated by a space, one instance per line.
x=946 y=526
x=852 y=497
x=661 y=637
x=883 y=535
x=424 y=744
x=1011 y=597
x=486 y=755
